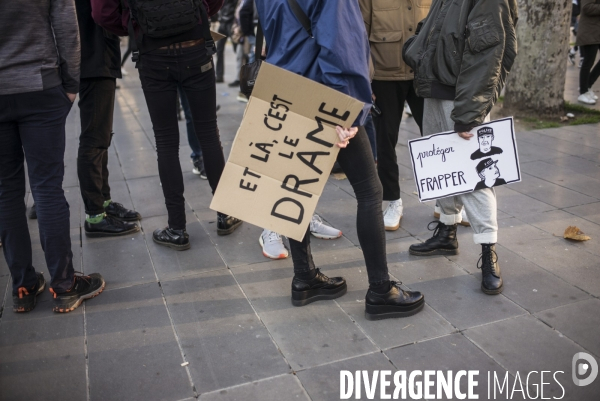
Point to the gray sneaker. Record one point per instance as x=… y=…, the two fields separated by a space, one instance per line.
x=272 y=245
x=320 y=230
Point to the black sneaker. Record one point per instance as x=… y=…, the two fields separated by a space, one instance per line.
x=32 y=213
x=176 y=239
x=109 y=227
x=443 y=241
x=395 y=303
x=199 y=168
x=119 y=211
x=24 y=300
x=318 y=288
x=491 y=279
x=84 y=287
x=227 y=224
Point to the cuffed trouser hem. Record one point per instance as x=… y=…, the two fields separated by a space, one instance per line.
x=486 y=238
x=450 y=219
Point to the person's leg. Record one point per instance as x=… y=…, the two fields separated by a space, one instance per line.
x=14 y=232
x=416 y=104
x=357 y=162
x=304 y=266
x=220 y=64
x=595 y=72
x=387 y=126
x=588 y=52
x=160 y=90
x=189 y=124
x=370 y=128
x=42 y=130
x=482 y=211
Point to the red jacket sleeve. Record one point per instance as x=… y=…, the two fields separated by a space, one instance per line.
x=111 y=16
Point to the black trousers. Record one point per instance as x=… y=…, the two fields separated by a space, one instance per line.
x=32 y=128
x=588 y=75
x=357 y=162
x=391 y=96
x=96 y=105
x=160 y=73
x=224 y=29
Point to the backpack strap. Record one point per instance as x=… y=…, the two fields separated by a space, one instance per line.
x=259 y=41
x=301 y=16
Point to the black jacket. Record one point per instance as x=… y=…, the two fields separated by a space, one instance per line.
x=463 y=51
x=100 y=49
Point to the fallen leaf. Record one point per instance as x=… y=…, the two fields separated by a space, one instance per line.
x=574 y=233
x=564 y=118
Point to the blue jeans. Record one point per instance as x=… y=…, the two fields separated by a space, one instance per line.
x=32 y=127
x=189 y=125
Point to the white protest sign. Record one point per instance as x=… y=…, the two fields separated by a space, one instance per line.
x=445 y=164
x=283 y=152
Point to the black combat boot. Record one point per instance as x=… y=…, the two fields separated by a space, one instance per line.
x=491 y=280
x=174 y=239
x=443 y=242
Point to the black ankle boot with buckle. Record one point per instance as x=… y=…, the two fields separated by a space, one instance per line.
x=443 y=242
x=491 y=280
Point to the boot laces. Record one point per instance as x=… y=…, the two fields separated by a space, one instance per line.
x=487 y=260
x=436 y=229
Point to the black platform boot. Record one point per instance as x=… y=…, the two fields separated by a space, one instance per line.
x=443 y=242
x=491 y=280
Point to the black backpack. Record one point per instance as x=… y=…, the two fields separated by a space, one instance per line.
x=161 y=19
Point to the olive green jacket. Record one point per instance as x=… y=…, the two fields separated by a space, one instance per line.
x=588 y=32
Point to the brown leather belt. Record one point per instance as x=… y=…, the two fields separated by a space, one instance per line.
x=184 y=45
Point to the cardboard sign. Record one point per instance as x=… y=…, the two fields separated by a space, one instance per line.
x=445 y=164
x=283 y=152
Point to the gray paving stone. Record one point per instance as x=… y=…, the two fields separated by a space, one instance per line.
x=531 y=152
x=307 y=336
x=566 y=178
x=280 y=388
x=390 y=332
x=586 y=135
x=322 y=383
x=147 y=196
x=43 y=359
x=550 y=193
x=449 y=353
x=577 y=165
x=201 y=257
x=133 y=353
x=222 y=338
x=460 y=301
x=578 y=321
x=589 y=212
x=138 y=163
x=517 y=204
x=524 y=344
x=122 y=261
x=553 y=254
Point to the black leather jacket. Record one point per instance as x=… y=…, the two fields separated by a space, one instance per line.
x=463 y=51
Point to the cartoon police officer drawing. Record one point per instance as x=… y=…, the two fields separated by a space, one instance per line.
x=485 y=137
x=489 y=173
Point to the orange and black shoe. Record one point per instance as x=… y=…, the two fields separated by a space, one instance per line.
x=84 y=287
x=24 y=300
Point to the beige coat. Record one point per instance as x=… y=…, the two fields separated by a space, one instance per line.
x=389 y=23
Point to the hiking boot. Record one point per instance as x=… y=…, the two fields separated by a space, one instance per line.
x=318 y=288
x=272 y=245
x=392 y=215
x=169 y=237
x=25 y=300
x=32 y=213
x=119 y=211
x=491 y=280
x=443 y=241
x=84 y=287
x=395 y=303
x=109 y=227
x=226 y=224
x=321 y=230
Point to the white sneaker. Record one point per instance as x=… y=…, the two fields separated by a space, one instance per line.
x=392 y=215
x=272 y=245
x=407 y=109
x=586 y=98
x=320 y=230
x=124 y=71
x=593 y=94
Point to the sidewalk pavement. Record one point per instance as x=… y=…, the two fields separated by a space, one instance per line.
x=216 y=322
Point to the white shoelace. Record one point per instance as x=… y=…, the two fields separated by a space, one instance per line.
x=273 y=237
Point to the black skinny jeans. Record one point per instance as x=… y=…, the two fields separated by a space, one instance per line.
x=587 y=74
x=160 y=72
x=357 y=162
x=96 y=105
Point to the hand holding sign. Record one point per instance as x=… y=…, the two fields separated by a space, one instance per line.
x=445 y=165
x=345 y=134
